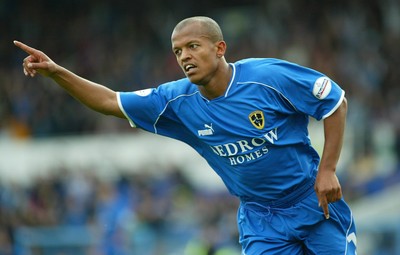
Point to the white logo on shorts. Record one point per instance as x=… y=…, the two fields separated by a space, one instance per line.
x=352 y=238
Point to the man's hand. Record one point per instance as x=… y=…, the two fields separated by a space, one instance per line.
x=328 y=189
x=36 y=62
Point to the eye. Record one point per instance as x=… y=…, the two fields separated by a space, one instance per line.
x=177 y=52
x=194 y=45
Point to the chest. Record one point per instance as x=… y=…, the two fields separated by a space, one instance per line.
x=231 y=119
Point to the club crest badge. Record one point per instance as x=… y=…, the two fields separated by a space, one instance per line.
x=257 y=119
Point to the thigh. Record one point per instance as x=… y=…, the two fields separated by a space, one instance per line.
x=265 y=234
x=337 y=235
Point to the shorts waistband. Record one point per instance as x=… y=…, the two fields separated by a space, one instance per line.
x=301 y=192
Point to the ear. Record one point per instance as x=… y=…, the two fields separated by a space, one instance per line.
x=221 y=48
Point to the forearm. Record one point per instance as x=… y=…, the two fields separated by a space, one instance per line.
x=93 y=95
x=334 y=127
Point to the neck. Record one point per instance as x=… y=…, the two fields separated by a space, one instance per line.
x=218 y=85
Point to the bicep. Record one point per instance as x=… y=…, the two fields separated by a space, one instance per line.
x=106 y=102
x=112 y=106
x=334 y=124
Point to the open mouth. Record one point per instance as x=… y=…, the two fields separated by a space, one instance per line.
x=189 y=68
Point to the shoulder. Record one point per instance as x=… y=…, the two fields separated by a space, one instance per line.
x=177 y=88
x=265 y=64
x=273 y=70
x=261 y=70
x=258 y=61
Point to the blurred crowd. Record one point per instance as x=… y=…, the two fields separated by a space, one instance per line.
x=132 y=214
x=125 y=45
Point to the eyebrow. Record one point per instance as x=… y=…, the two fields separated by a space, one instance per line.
x=188 y=43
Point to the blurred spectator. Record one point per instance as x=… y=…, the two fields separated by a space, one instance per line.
x=137 y=212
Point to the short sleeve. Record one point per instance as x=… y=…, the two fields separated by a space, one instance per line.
x=308 y=91
x=141 y=107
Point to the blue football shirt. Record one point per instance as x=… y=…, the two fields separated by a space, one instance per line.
x=254 y=136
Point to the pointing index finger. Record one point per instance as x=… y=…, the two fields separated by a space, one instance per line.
x=323 y=202
x=24 y=47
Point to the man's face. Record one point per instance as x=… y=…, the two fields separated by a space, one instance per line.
x=196 y=53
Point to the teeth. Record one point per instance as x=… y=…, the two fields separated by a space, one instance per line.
x=188 y=67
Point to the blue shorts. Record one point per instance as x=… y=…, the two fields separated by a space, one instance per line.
x=296 y=228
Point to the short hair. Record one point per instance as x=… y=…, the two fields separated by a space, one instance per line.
x=210 y=27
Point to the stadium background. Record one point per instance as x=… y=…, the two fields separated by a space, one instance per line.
x=75 y=182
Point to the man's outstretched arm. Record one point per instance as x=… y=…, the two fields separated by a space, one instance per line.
x=93 y=95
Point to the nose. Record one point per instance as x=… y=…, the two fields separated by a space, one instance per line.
x=185 y=55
